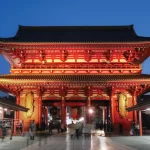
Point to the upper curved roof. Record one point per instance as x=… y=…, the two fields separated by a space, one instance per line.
x=76 y=34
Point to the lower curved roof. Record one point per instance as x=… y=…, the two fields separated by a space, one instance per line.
x=6 y=103
x=72 y=78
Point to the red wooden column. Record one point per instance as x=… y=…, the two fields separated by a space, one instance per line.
x=40 y=109
x=140 y=123
x=88 y=107
x=17 y=116
x=63 y=117
x=105 y=114
x=16 y=113
x=89 y=114
x=40 y=92
x=112 y=109
x=134 y=103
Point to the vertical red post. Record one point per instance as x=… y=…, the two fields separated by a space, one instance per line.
x=134 y=112
x=14 y=121
x=18 y=103
x=88 y=107
x=63 y=117
x=105 y=113
x=140 y=123
x=40 y=110
x=112 y=109
x=23 y=127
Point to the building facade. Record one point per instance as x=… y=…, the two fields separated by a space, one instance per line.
x=96 y=67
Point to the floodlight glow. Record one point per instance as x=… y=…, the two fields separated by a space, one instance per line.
x=5 y=109
x=91 y=111
x=148 y=109
x=81 y=119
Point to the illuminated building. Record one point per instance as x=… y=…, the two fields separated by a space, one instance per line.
x=76 y=66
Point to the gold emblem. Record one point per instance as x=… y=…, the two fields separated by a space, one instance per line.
x=123 y=103
x=29 y=103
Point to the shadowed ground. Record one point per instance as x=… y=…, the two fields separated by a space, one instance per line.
x=63 y=141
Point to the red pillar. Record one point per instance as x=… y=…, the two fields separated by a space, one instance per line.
x=134 y=112
x=40 y=110
x=17 y=116
x=140 y=123
x=18 y=103
x=105 y=114
x=112 y=109
x=88 y=107
x=63 y=117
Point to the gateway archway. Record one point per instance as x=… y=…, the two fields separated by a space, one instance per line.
x=76 y=63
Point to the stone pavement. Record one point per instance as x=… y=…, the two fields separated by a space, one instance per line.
x=63 y=141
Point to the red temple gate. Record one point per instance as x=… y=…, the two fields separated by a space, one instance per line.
x=76 y=66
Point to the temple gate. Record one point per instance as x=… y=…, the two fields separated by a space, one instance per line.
x=96 y=67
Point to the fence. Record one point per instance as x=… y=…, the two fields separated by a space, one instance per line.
x=11 y=127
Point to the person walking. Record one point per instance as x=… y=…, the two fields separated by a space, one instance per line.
x=137 y=128
x=21 y=127
x=32 y=130
x=71 y=129
x=77 y=127
x=50 y=127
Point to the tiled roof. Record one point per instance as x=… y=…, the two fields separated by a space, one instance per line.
x=141 y=106
x=76 y=34
x=71 y=78
x=8 y=104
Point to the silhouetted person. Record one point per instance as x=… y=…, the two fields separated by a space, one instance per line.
x=21 y=126
x=105 y=126
x=58 y=126
x=43 y=125
x=133 y=127
x=32 y=130
x=137 y=129
x=101 y=126
x=77 y=127
x=50 y=127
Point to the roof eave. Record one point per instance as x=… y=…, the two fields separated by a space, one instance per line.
x=141 y=106
x=71 y=43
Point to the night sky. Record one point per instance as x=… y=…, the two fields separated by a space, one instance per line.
x=73 y=12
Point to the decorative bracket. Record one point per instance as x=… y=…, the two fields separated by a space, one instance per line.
x=41 y=90
x=75 y=92
x=111 y=91
x=64 y=55
x=42 y=57
x=18 y=90
x=133 y=55
x=22 y=56
x=88 y=55
x=138 y=90
x=63 y=91
x=109 y=55
x=88 y=91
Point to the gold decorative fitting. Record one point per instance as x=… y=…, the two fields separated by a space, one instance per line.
x=122 y=105
x=29 y=103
